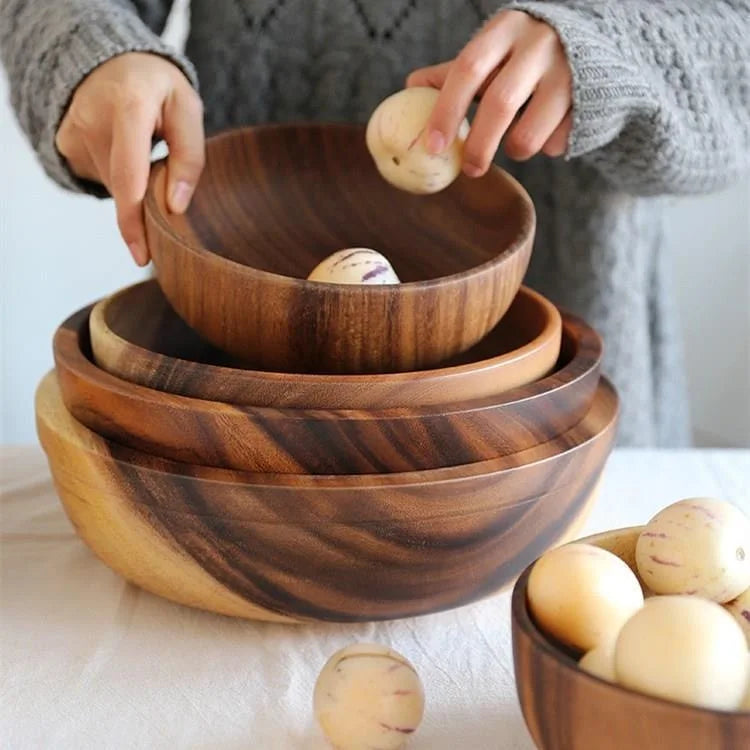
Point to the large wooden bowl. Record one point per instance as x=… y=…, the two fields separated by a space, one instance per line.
x=568 y=709
x=348 y=548
x=137 y=336
x=275 y=200
x=325 y=441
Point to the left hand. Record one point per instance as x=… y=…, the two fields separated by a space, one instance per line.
x=513 y=61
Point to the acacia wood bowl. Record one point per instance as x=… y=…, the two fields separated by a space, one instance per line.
x=566 y=708
x=299 y=441
x=344 y=549
x=274 y=200
x=137 y=336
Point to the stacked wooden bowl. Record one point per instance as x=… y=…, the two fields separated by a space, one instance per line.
x=236 y=438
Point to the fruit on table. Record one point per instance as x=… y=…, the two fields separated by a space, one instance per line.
x=355 y=265
x=581 y=594
x=396 y=140
x=600 y=661
x=697 y=546
x=368 y=696
x=686 y=649
x=739 y=608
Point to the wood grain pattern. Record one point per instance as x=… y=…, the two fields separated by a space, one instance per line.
x=325 y=441
x=351 y=548
x=275 y=200
x=557 y=698
x=137 y=336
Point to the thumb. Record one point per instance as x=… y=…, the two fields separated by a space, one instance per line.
x=183 y=131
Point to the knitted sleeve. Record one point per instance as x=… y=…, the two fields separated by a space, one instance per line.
x=661 y=89
x=48 y=48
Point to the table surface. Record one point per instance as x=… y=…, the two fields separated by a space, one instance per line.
x=89 y=661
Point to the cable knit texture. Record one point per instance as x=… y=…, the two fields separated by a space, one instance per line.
x=661 y=106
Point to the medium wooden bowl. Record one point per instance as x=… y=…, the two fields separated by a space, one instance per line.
x=350 y=548
x=137 y=336
x=568 y=709
x=275 y=200
x=300 y=441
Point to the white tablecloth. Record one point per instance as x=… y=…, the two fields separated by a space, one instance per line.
x=89 y=661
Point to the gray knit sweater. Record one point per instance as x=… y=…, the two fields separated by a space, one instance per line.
x=661 y=105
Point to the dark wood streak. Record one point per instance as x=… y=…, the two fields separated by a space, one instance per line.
x=321 y=441
x=568 y=709
x=274 y=200
x=346 y=548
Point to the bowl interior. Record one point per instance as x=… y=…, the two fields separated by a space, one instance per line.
x=141 y=316
x=280 y=198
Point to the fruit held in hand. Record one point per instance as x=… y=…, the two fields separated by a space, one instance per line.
x=355 y=265
x=368 y=696
x=697 y=546
x=685 y=649
x=581 y=594
x=396 y=140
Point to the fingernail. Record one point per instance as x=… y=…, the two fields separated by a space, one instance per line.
x=138 y=252
x=435 y=142
x=471 y=170
x=180 y=197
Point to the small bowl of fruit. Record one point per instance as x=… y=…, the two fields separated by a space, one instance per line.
x=638 y=638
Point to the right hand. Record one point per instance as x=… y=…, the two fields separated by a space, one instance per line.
x=106 y=136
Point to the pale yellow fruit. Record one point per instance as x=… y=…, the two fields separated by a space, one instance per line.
x=697 y=546
x=355 y=265
x=745 y=705
x=739 y=608
x=366 y=696
x=396 y=140
x=600 y=661
x=581 y=594
x=686 y=649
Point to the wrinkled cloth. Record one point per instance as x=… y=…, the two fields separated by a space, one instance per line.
x=89 y=661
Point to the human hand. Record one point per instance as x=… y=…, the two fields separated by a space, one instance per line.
x=513 y=60
x=106 y=136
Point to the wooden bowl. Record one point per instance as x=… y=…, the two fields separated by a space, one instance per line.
x=568 y=709
x=275 y=200
x=137 y=336
x=350 y=548
x=319 y=441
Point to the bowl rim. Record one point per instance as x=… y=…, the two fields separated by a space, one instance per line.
x=522 y=618
x=579 y=367
x=245 y=272
x=554 y=327
x=550 y=451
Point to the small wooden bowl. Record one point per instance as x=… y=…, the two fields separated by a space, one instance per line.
x=344 y=549
x=275 y=200
x=568 y=709
x=300 y=441
x=137 y=336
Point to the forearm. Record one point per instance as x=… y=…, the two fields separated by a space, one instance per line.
x=661 y=90
x=49 y=48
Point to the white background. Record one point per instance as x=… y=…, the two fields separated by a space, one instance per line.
x=60 y=251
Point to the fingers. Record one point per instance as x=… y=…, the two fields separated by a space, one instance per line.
x=433 y=76
x=183 y=131
x=557 y=144
x=463 y=81
x=129 y=165
x=544 y=113
x=512 y=87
